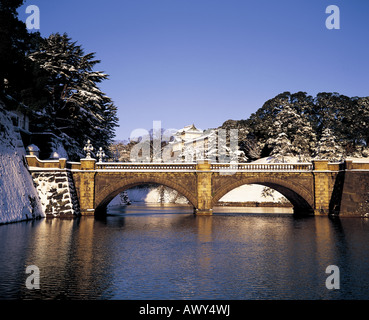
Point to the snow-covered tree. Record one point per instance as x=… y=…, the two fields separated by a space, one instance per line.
x=282 y=147
x=291 y=134
x=328 y=148
x=358 y=122
x=268 y=193
x=77 y=110
x=304 y=142
x=303 y=118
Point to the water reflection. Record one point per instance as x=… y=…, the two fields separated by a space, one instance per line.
x=168 y=253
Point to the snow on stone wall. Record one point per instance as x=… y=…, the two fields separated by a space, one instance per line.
x=18 y=198
x=57 y=193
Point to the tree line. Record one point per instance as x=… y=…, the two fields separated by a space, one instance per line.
x=328 y=126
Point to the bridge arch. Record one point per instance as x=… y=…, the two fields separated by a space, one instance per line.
x=301 y=199
x=116 y=186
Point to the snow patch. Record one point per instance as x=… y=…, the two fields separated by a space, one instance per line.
x=160 y=194
x=251 y=193
x=18 y=198
x=151 y=194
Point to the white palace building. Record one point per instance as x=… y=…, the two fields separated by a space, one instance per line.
x=191 y=144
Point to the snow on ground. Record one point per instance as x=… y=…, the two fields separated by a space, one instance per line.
x=245 y=193
x=296 y=160
x=363 y=160
x=274 y=160
x=147 y=194
x=18 y=197
x=251 y=193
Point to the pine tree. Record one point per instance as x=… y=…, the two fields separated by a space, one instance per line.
x=282 y=147
x=328 y=148
x=295 y=131
x=357 y=122
x=304 y=143
x=260 y=121
x=346 y=117
x=77 y=110
x=13 y=47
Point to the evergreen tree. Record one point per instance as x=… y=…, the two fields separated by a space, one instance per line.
x=304 y=143
x=295 y=131
x=339 y=114
x=282 y=147
x=77 y=110
x=260 y=121
x=14 y=44
x=328 y=148
x=304 y=118
x=247 y=142
x=356 y=123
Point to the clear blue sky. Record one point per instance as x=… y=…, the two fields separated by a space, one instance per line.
x=207 y=61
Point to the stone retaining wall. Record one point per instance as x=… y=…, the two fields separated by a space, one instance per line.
x=355 y=194
x=57 y=193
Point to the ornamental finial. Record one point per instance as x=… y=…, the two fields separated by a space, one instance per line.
x=88 y=148
x=100 y=154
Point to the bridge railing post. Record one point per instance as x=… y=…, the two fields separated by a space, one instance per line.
x=87 y=186
x=348 y=164
x=62 y=163
x=204 y=190
x=322 y=194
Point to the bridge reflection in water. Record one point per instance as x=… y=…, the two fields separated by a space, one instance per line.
x=147 y=253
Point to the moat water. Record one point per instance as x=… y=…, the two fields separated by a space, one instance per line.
x=165 y=252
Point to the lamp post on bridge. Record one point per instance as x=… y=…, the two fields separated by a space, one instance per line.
x=88 y=163
x=88 y=148
x=100 y=154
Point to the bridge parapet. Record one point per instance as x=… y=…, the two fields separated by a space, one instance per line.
x=352 y=165
x=128 y=166
x=35 y=163
x=262 y=166
x=90 y=164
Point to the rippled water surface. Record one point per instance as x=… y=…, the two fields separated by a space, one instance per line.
x=168 y=253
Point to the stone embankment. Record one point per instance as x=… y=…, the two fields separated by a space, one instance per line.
x=57 y=193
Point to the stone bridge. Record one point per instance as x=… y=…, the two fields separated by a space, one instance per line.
x=319 y=188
